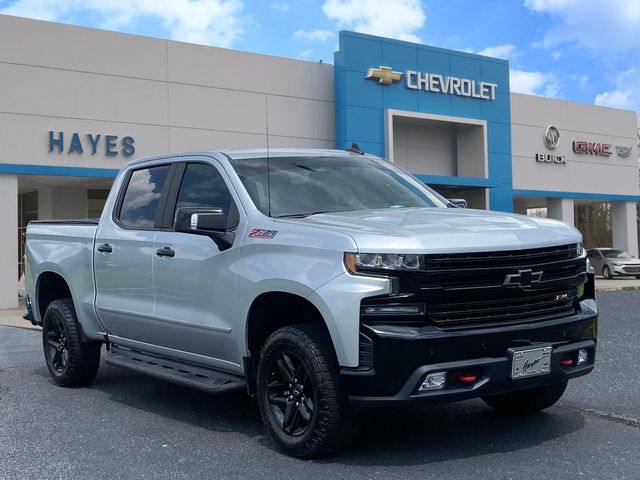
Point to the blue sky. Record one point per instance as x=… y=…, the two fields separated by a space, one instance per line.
x=582 y=50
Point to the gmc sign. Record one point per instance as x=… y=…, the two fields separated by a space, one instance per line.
x=591 y=148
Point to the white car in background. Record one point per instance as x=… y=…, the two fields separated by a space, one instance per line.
x=610 y=262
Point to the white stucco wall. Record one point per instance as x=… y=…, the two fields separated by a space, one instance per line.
x=169 y=96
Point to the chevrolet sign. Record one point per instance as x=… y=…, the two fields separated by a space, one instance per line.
x=431 y=82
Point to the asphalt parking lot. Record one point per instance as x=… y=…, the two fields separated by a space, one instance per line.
x=129 y=426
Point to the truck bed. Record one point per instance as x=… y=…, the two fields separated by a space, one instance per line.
x=65 y=248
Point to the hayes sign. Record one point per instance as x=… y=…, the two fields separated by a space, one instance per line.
x=431 y=82
x=109 y=145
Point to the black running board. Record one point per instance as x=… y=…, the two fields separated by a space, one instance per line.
x=201 y=378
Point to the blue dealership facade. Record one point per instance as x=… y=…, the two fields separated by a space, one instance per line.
x=360 y=102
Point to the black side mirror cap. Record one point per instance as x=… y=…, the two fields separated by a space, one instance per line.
x=202 y=220
x=457 y=202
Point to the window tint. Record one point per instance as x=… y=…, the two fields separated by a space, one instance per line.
x=203 y=186
x=141 y=199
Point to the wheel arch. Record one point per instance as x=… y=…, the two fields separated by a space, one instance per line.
x=50 y=286
x=270 y=311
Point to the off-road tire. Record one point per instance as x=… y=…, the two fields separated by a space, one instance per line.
x=331 y=425
x=82 y=358
x=526 y=401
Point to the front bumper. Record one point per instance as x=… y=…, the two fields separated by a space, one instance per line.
x=400 y=357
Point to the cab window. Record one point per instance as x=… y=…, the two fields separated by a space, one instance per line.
x=203 y=186
x=142 y=197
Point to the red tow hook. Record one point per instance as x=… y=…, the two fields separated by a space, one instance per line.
x=566 y=362
x=466 y=377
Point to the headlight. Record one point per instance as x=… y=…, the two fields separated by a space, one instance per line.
x=358 y=262
x=579 y=249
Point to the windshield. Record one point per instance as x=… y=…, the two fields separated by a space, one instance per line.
x=302 y=186
x=615 y=254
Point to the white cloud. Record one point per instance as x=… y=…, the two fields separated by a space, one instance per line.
x=210 y=22
x=305 y=53
x=506 y=51
x=556 y=55
x=615 y=99
x=583 y=82
x=283 y=7
x=534 y=83
x=320 y=35
x=612 y=26
x=399 y=19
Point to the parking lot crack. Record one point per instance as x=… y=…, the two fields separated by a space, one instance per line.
x=611 y=417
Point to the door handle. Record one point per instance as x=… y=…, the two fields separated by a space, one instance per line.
x=165 y=252
x=105 y=248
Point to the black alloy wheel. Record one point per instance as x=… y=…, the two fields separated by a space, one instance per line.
x=300 y=395
x=71 y=360
x=56 y=345
x=290 y=393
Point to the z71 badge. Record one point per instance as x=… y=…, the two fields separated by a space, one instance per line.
x=262 y=233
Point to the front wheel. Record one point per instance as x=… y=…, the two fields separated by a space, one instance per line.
x=71 y=362
x=526 y=401
x=299 y=394
x=606 y=272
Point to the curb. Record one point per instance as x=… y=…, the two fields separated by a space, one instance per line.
x=617 y=289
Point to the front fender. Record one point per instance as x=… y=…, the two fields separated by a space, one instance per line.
x=339 y=304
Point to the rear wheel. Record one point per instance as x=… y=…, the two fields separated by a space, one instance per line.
x=606 y=272
x=526 y=401
x=299 y=395
x=71 y=362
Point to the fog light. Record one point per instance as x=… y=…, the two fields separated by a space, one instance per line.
x=410 y=309
x=433 y=381
x=583 y=356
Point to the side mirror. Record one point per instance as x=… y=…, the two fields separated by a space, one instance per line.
x=200 y=220
x=457 y=202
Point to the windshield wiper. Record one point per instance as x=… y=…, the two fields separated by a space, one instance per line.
x=308 y=214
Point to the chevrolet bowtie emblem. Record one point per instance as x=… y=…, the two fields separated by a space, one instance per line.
x=384 y=75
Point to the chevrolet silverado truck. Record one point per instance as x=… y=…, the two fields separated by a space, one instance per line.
x=320 y=281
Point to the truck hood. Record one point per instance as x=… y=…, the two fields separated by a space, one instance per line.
x=443 y=230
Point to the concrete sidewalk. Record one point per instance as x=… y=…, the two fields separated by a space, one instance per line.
x=617 y=283
x=13 y=318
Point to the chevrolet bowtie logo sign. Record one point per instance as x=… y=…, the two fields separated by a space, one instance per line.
x=522 y=279
x=384 y=75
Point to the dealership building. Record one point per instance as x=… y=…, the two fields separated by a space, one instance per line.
x=78 y=103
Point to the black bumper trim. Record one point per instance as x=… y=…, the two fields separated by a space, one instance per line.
x=494 y=378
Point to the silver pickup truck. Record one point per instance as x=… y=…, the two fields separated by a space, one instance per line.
x=320 y=281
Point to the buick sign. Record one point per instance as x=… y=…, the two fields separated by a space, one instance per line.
x=551 y=137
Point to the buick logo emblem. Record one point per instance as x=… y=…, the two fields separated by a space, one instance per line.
x=551 y=137
x=522 y=279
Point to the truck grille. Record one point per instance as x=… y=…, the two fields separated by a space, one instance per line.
x=551 y=303
x=500 y=288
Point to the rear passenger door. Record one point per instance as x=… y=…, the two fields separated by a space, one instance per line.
x=124 y=253
x=195 y=287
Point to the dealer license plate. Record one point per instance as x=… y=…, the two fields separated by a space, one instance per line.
x=530 y=362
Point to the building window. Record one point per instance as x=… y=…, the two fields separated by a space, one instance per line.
x=96 y=199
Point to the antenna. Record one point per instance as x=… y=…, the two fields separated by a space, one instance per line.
x=266 y=121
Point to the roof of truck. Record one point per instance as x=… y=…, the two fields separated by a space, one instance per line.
x=237 y=154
